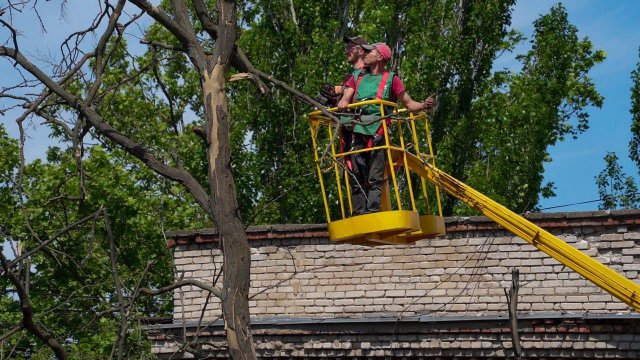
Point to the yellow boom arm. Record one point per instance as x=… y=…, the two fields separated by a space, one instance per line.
x=604 y=277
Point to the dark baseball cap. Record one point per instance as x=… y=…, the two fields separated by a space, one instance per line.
x=354 y=41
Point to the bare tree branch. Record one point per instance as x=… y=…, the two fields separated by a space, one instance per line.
x=241 y=63
x=53 y=238
x=15 y=97
x=136 y=291
x=193 y=48
x=53 y=120
x=167 y=95
x=212 y=289
x=11 y=332
x=14 y=33
x=297 y=94
x=74 y=49
x=181 y=15
x=163 y=45
x=203 y=15
x=100 y=48
x=47 y=92
x=113 y=134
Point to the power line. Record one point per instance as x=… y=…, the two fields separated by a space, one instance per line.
x=608 y=197
x=577 y=203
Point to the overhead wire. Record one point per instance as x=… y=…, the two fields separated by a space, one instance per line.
x=590 y=201
x=488 y=243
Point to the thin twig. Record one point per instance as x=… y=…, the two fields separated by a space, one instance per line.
x=11 y=332
x=54 y=238
x=199 y=284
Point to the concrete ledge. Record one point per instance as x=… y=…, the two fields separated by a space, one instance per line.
x=548 y=221
x=382 y=324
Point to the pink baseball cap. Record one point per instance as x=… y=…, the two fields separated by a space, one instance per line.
x=382 y=48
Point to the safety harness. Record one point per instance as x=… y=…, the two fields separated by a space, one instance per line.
x=380 y=131
x=383 y=82
x=381 y=86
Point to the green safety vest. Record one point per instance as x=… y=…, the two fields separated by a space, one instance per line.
x=367 y=88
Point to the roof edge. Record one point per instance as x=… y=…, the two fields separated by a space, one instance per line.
x=286 y=322
x=549 y=221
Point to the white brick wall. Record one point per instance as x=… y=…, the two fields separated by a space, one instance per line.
x=463 y=274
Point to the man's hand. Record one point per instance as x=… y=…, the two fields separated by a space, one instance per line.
x=430 y=103
x=346 y=98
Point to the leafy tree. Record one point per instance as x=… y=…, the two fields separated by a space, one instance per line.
x=440 y=47
x=634 y=144
x=616 y=189
x=526 y=113
x=490 y=130
x=9 y=160
x=84 y=108
x=464 y=46
x=72 y=282
x=304 y=51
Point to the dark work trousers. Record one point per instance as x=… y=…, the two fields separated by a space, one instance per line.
x=367 y=175
x=345 y=139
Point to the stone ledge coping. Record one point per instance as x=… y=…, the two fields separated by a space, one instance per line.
x=390 y=325
x=548 y=221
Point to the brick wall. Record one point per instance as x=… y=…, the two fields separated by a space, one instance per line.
x=298 y=274
x=572 y=337
x=301 y=274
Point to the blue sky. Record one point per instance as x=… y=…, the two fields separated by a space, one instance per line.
x=610 y=25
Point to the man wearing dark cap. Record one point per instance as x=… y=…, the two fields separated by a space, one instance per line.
x=355 y=56
x=374 y=82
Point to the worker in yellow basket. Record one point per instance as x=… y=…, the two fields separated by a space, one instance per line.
x=374 y=82
x=330 y=94
x=355 y=56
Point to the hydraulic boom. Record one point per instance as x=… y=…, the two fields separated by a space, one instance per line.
x=612 y=282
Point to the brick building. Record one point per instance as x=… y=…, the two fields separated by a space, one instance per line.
x=442 y=298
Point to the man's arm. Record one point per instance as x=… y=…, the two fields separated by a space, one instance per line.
x=413 y=105
x=346 y=98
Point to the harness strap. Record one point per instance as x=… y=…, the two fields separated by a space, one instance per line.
x=383 y=82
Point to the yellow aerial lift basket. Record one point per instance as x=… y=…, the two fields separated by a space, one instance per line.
x=410 y=206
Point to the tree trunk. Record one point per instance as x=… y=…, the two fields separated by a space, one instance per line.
x=235 y=246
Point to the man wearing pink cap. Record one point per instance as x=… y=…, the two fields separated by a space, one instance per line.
x=374 y=82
